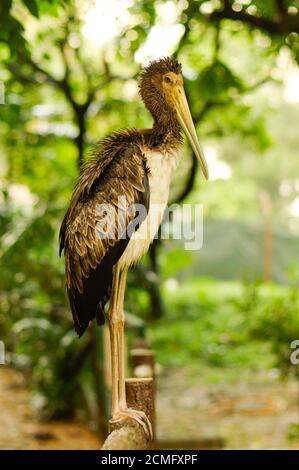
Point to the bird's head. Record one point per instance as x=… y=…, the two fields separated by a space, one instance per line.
x=162 y=90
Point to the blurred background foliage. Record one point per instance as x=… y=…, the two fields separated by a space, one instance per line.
x=68 y=71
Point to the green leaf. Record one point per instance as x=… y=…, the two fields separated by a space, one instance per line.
x=49 y=7
x=5 y=7
x=217 y=79
x=32 y=7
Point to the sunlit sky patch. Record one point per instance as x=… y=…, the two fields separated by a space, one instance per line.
x=106 y=19
x=163 y=36
x=289 y=74
x=291 y=90
x=19 y=197
x=294 y=207
x=286 y=188
x=103 y=22
x=156 y=46
x=218 y=169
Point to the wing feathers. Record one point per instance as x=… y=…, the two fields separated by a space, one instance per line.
x=107 y=187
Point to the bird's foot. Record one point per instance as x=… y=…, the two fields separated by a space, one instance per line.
x=136 y=415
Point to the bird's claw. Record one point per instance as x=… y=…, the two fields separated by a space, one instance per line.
x=138 y=416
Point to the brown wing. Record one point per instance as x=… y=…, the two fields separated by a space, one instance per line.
x=90 y=253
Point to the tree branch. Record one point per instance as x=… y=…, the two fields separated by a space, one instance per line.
x=281 y=10
x=62 y=84
x=284 y=24
x=189 y=183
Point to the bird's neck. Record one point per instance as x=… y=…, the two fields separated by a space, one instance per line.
x=166 y=131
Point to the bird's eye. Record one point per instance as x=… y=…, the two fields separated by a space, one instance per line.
x=167 y=80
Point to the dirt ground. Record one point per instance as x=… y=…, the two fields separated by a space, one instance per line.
x=244 y=415
x=19 y=429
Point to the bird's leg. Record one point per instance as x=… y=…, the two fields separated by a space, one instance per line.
x=120 y=410
x=112 y=316
x=121 y=341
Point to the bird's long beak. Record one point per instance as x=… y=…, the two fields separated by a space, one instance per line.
x=185 y=119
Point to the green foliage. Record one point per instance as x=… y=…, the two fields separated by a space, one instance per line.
x=32 y=6
x=59 y=84
x=293 y=432
x=204 y=326
x=217 y=81
x=12 y=30
x=232 y=248
x=228 y=325
x=274 y=314
x=55 y=359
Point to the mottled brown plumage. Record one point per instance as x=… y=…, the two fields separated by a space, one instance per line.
x=166 y=129
x=131 y=169
x=117 y=167
x=122 y=165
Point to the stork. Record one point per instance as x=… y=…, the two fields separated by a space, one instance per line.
x=129 y=170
